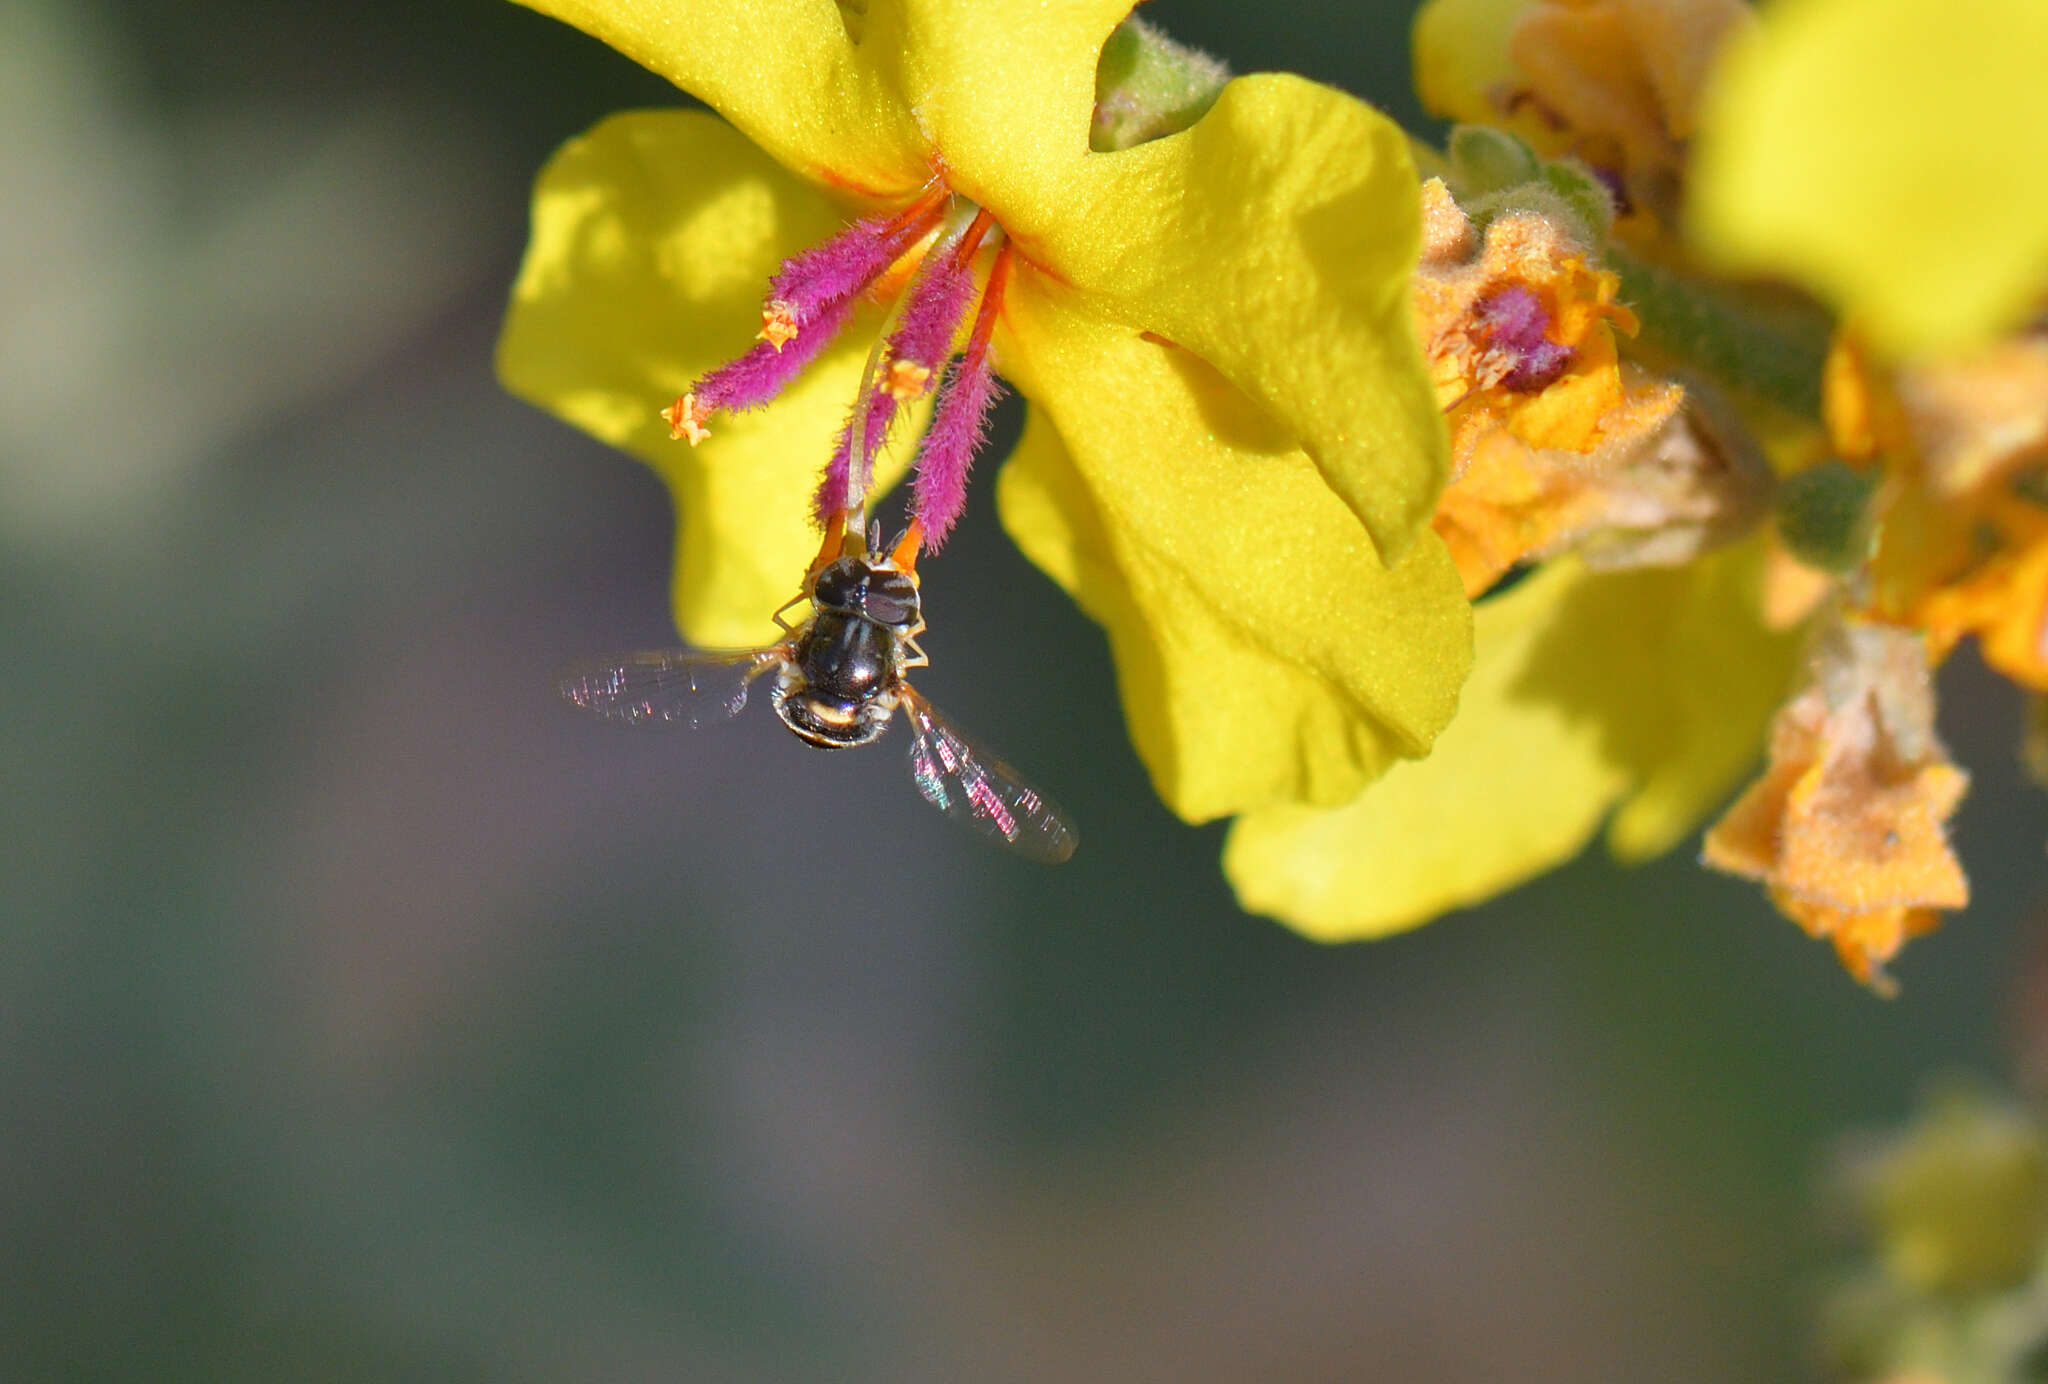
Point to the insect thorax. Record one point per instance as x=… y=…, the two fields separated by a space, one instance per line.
x=839 y=686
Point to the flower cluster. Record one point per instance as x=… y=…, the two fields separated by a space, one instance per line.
x=1828 y=520
x=1690 y=400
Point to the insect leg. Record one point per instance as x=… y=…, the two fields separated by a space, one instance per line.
x=916 y=656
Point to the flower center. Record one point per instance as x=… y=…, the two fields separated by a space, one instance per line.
x=935 y=244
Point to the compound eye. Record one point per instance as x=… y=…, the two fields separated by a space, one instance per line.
x=887 y=609
x=891 y=599
x=839 y=587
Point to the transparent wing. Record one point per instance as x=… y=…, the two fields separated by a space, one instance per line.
x=657 y=687
x=979 y=791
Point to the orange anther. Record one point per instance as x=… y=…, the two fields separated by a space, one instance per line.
x=778 y=323
x=906 y=380
x=685 y=418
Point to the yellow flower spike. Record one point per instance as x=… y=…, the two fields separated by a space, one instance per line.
x=1252 y=267
x=1638 y=693
x=652 y=237
x=1885 y=153
x=1263 y=651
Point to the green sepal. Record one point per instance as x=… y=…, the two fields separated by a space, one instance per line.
x=1493 y=172
x=1486 y=160
x=1822 y=515
x=1587 y=196
x=1147 y=86
x=1534 y=199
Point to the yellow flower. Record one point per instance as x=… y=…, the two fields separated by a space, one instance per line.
x=1887 y=154
x=1231 y=453
x=1547 y=374
x=1556 y=443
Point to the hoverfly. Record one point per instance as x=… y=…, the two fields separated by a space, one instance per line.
x=839 y=679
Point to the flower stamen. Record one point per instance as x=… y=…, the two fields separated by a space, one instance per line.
x=960 y=422
x=809 y=301
x=970 y=240
x=856 y=257
x=933 y=307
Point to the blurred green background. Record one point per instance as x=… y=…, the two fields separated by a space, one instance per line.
x=362 y=1018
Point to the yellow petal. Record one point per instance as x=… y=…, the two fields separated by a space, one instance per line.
x=1718 y=673
x=787 y=72
x=1886 y=153
x=1275 y=239
x=1007 y=99
x=1589 y=690
x=1517 y=784
x=1263 y=652
x=1461 y=57
x=654 y=236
